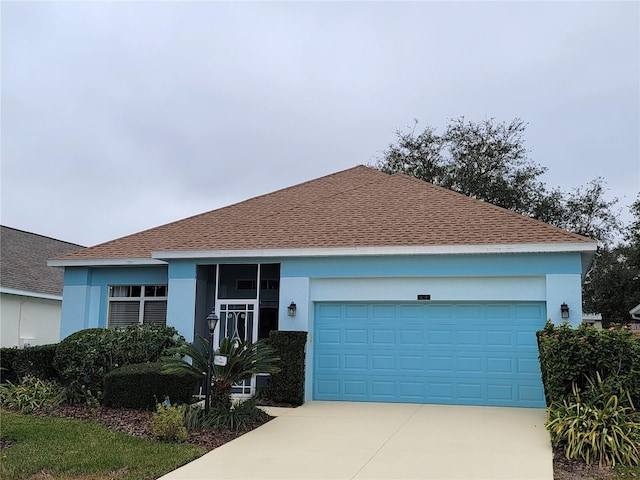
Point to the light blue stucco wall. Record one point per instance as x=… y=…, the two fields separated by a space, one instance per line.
x=434 y=265
x=554 y=278
x=181 y=302
x=85 y=293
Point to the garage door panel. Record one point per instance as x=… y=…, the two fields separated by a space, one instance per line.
x=427 y=353
x=354 y=337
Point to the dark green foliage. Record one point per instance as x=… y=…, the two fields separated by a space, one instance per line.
x=576 y=356
x=244 y=359
x=85 y=357
x=612 y=286
x=287 y=386
x=237 y=417
x=143 y=385
x=488 y=160
x=33 y=362
x=7 y=370
x=37 y=362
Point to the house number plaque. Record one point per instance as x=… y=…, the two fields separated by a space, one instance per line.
x=220 y=360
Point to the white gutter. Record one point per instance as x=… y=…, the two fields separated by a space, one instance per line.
x=105 y=262
x=25 y=293
x=378 y=251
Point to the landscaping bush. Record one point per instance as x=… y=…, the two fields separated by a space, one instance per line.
x=287 y=386
x=237 y=417
x=244 y=359
x=30 y=394
x=598 y=430
x=85 y=357
x=194 y=417
x=7 y=370
x=28 y=362
x=37 y=362
x=142 y=385
x=571 y=356
x=167 y=423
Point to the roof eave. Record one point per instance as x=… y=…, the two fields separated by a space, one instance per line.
x=28 y=293
x=105 y=262
x=578 y=247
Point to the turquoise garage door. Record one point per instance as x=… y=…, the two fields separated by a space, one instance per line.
x=463 y=354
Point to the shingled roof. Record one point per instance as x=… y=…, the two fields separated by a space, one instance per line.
x=23 y=262
x=358 y=207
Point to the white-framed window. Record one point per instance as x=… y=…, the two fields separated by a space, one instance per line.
x=137 y=305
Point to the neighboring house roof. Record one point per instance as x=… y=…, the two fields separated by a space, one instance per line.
x=23 y=262
x=356 y=208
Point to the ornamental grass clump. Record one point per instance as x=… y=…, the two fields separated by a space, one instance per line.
x=30 y=394
x=600 y=429
x=240 y=416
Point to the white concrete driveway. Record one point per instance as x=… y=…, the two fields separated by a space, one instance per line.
x=346 y=440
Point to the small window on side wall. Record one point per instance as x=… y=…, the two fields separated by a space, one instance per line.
x=137 y=305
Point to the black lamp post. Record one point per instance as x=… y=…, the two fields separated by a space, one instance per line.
x=212 y=321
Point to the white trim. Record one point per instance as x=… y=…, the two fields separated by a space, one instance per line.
x=377 y=251
x=104 y=262
x=25 y=293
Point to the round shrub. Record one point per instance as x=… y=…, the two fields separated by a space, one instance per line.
x=85 y=357
x=143 y=385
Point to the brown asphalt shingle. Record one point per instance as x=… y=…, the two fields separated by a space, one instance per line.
x=358 y=207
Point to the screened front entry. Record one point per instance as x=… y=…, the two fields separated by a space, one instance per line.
x=245 y=298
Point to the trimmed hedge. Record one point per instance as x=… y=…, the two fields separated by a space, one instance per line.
x=7 y=371
x=85 y=357
x=287 y=386
x=33 y=361
x=569 y=355
x=143 y=385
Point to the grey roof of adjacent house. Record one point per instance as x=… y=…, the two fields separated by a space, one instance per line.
x=23 y=261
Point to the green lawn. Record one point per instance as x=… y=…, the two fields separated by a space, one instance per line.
x=626 y=473
x=67 y=448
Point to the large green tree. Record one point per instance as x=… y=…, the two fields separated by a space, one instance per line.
x=488 y=160
x=612 y=287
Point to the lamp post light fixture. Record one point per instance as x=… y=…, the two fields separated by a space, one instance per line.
x=291 y=310
x=212 y=321
x=564 y=311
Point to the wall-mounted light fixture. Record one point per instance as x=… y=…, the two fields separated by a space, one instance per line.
x=564 y=310
x=291 y=310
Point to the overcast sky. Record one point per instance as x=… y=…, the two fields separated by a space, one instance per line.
x=121 y=116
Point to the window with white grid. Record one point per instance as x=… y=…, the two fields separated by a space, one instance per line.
x=137 y=305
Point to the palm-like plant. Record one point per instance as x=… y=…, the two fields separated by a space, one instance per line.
x=244 y=359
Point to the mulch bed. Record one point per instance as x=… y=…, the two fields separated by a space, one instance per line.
x=136 y=423
x=564 y=469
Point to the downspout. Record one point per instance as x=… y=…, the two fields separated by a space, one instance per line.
x=20 y=318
